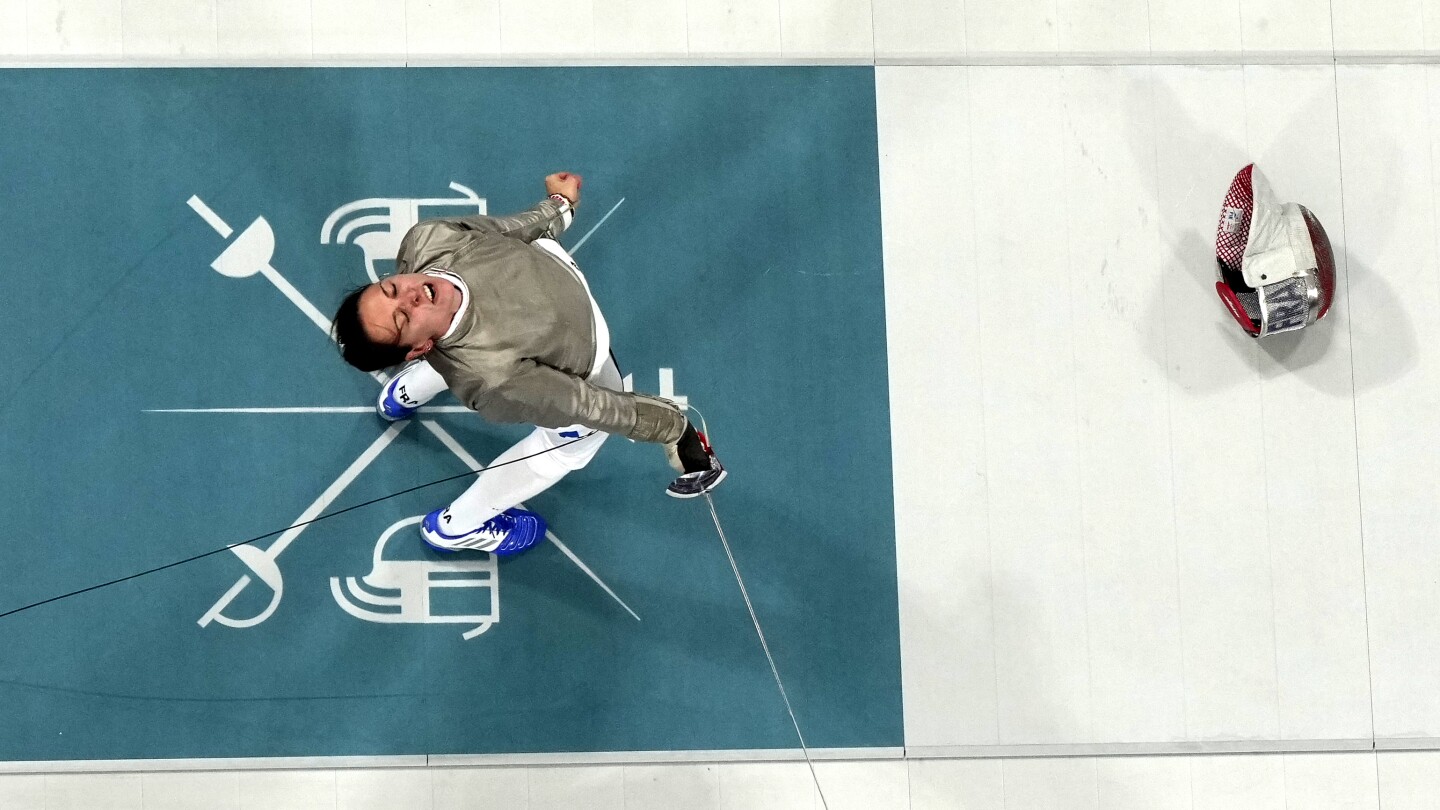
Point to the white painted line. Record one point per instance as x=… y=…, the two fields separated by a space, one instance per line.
x=338 y=486
x=667 y=388
x=583 y=567
x=297 y=298
x=199 y=206
x=588 y=233
x=224 y=601
x=464 y=455
x=296 y=527
x=453 y=446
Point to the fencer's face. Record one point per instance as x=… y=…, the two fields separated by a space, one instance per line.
x=411 y=310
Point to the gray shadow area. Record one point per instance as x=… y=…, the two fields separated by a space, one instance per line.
x=1190 y=259
x=1300 y=353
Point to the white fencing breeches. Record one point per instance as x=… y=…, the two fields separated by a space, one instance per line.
x=552 y=454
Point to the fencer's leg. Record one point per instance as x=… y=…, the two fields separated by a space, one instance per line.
x=412 y=386
x=552 y=454
x=484 y=517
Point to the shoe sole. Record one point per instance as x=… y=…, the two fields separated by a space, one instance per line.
x=672 y=493
x=498 y=553
x=534 y=541
x=424 y=537
x=441 y=549
x=540 y=535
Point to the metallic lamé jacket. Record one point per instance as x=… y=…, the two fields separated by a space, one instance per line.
x=526 y=342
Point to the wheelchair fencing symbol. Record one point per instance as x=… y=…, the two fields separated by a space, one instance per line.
x=378 y=225
x=400 y=591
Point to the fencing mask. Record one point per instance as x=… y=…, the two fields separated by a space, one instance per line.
x=1276 y=270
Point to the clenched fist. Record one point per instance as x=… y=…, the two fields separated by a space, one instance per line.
x=565 y=184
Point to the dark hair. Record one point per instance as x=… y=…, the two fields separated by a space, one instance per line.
x=356 y=347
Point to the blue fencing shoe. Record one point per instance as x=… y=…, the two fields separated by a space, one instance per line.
x=509 y=532
x=394 y=403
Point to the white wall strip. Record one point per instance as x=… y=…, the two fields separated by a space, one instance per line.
x=1149 y=749
x=1201 y=748
x=1018 y=59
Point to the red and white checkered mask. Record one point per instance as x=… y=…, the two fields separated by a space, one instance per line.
x=1276 y=271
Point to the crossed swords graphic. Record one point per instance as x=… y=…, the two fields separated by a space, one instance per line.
x=248 y=255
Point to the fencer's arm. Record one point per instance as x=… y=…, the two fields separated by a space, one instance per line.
x=549 y=218
x=435 y=238
x=550 y=398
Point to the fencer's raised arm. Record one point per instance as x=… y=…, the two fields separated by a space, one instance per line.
x=548 y=397
x=549 y=218
x=439 y=240
x=436 y=239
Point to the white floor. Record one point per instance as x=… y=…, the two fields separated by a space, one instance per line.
x=939 y=31
x=1361 y=781
x=1123 y=527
